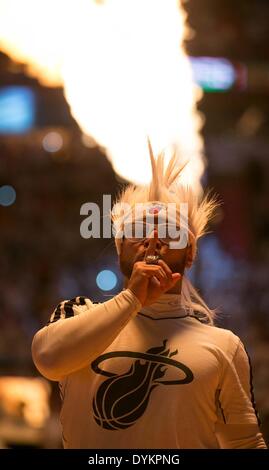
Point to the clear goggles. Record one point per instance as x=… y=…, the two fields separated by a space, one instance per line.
x=138 y=231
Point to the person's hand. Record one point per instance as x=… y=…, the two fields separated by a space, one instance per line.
x=149 y=281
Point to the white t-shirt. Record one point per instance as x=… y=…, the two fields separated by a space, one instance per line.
x=152 y=377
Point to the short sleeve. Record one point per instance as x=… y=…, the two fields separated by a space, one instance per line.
x=70 y=308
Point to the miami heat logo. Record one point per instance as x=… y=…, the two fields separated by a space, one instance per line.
x=122 y=399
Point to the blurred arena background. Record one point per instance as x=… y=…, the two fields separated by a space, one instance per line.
x=48 y=169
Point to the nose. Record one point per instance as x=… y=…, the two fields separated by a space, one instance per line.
x=157 y=246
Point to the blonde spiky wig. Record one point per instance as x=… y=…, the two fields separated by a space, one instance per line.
x=165 y=188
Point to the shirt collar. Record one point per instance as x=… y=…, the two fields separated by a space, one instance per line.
x=167 y=306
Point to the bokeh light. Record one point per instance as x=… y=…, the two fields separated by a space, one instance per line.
x=7 y=195
x=52 y=142
x=106 y=280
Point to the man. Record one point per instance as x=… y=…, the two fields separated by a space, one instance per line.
x=147 y=368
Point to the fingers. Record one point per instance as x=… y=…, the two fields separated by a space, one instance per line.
x=166 y=268
x=171 y=278
x=151 y=249
x=149 y=281
x=175 y=278
x=158 y=272
x=163 y=274
x=152 y=270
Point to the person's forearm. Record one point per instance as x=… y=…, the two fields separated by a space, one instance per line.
x=70 y=344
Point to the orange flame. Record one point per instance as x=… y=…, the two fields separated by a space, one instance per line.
x=124 y=71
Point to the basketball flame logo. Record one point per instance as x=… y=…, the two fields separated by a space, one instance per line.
x=123 y=398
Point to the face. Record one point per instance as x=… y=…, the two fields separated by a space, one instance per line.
x=133 y=250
